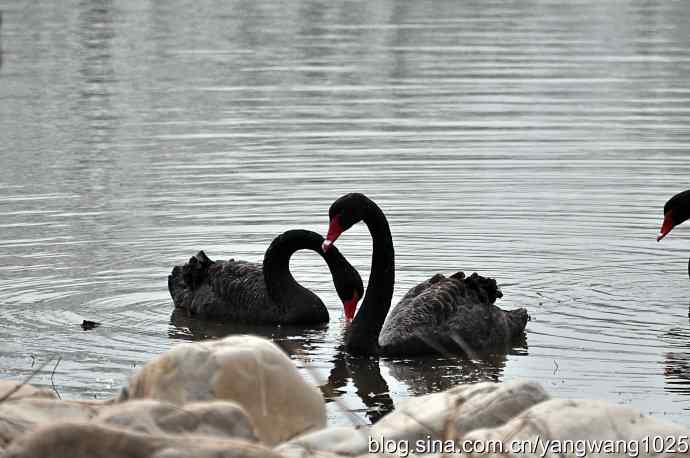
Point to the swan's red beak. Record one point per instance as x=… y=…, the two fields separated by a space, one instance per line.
x=666 y=226
x=350 y=307
x=334 y=231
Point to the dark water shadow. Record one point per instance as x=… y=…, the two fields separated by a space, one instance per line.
x=677 y=363
x=365 y=373
x=433 y=374
x=294 y=340
x=421 y=375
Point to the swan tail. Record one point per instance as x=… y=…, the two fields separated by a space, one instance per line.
x=488 y=291
x=486 y=288
x=517 y=320
x=184 y=282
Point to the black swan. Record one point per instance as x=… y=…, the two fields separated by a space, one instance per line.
x=441 y=314
x=676 y=211
x=252 y=293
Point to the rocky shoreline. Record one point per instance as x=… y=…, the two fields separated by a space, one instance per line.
x=242 y=396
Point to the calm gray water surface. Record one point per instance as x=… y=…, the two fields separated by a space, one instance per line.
x=535 y=142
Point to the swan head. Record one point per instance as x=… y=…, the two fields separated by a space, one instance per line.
x=348 y=284
x=343 y=214
x=350 y=306
x=334 y=231
x=676 y=211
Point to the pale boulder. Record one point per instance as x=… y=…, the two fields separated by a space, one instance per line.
x=486 y=405
x=214 y=418
x=221 y=419
x=14 y=390
x=327 y=443
x=82 y=440
x=585 y=423
x=463 y=408
x=17 y=416
x=460 y=409
x=248 y=370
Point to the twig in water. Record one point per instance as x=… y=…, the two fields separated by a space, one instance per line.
x=555 y=369
x=51 y=377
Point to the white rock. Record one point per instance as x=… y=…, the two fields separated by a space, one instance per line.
x=17 y=416
x=336 y=441
x=82 y=440
x=220 y=419
x=17 y=390
x=584 y=423
x=464 y=408
x=249 y=370
x=460 y=409
x=483 y=405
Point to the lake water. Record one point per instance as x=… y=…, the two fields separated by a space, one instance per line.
x=535 y=142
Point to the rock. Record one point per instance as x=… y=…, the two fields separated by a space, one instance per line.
x=17 y=416
x=18 y=390
x=220 y=419
x=583 y=423
x=462 y=409
x=249 y=370
x=146 y=420
x=82 y=440
x=486 y=405
x=330 y=442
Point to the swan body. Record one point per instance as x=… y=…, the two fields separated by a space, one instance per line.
x=450 y=313
x=266 y=293
x=439 y=315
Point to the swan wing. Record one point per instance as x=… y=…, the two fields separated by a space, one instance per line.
x=447 y=314
x=227 y=290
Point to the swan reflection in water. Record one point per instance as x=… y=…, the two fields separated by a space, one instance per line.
x=408 y=377
x=677 y=363
x=414 y=377
x=296 y=341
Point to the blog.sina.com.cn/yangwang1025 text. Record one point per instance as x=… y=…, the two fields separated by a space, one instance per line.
x=534 y=446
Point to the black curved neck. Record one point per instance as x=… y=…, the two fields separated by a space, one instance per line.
x=364 y=332
x=281 y=286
